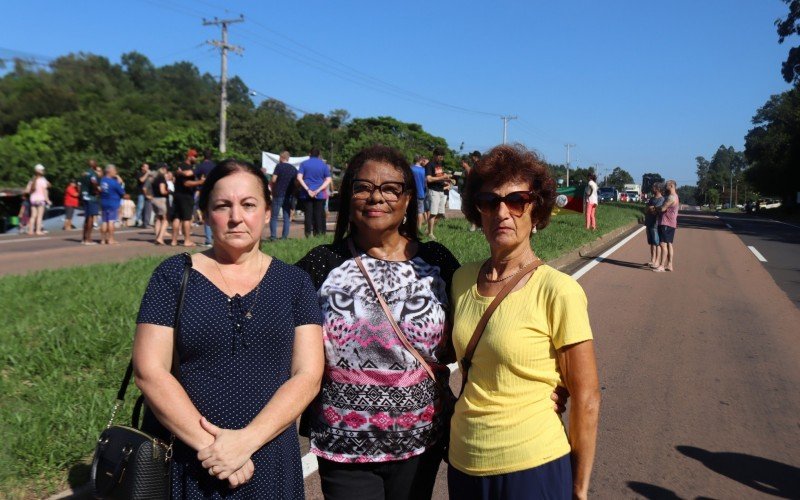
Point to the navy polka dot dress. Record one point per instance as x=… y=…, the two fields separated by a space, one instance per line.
x=231 y=366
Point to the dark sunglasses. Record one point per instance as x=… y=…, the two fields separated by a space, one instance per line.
x=487 y=203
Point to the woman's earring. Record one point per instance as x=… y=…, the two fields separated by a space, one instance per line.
x=404 y=219
x=533 y=231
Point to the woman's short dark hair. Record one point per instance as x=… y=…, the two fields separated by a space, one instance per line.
x=592 y=177
x=381 y=154
x=511 y=163
x=224 y=169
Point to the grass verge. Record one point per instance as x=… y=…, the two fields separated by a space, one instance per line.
x=66 y=336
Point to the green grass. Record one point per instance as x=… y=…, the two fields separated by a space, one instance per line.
x=65 y=341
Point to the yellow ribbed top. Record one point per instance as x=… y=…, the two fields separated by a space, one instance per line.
x=504 y=422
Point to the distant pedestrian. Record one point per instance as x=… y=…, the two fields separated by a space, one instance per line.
x=590 y=202
x=90 y=191
x=145 y=195
x=437 y=179
x=127 y=210
x=201 y=173
x=161 y=204
x=422 y=189
x=667 y=226
x=111 y=191
x=651 y=217
x=183 y=201
x=39 y=191
x=314 y=176
x=24 y=214
x=72 y=198
x=424 y=163
x=282 y=184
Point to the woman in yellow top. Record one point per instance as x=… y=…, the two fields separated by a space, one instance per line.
x=506 y=441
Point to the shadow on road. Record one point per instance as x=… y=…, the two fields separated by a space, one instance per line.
x=623 y=263
x=652 y=491
x=699 y=222
x=761 y=474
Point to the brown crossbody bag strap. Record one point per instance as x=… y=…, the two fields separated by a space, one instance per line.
x=388 y=312
x=466 y=361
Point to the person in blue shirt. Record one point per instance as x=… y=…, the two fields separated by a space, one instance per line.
x=314 y=177
x=419 y=179
x=111 y=191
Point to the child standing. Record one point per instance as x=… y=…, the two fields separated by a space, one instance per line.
x=127 y=209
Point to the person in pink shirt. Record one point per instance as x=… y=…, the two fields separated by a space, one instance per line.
x=668 y=222
x=38 y=188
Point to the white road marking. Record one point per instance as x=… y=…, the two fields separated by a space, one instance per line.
x=588 y=267
x=729 y=226
x=309 y=461
x=757 y=254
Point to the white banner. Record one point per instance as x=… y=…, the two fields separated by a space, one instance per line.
x=269 y=160
x=454 y=199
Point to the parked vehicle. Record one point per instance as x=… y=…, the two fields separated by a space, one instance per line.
x=605 y=194
x=633 y=196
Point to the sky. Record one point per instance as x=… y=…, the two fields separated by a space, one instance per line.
x=643 y=85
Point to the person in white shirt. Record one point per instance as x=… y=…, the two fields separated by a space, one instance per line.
x=590 y=207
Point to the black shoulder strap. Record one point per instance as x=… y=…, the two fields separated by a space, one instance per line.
x=187 y=259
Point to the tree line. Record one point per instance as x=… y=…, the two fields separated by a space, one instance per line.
x=84 y=106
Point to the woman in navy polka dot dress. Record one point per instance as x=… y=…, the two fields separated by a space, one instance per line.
x=249 y=352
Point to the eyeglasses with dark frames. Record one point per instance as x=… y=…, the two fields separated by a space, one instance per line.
x=488 y=203
x=391 y=191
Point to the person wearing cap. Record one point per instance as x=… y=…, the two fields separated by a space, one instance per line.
x=71 y=202
x=38 y=189
x=437 y=179
x=112 y=189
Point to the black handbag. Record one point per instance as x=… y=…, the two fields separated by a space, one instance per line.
x=130 y=463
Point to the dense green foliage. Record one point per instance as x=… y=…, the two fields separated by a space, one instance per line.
x=84 y=106
x=63 y=359
x=618 y=178
x=714 y=177
x=790 y=69
x=772 y=147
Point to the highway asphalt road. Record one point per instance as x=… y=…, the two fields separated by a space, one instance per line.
x=777 y=242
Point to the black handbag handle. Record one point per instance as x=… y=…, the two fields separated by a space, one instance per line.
x=123 y=387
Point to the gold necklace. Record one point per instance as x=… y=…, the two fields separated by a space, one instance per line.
x=249 y=313
x=499 y=280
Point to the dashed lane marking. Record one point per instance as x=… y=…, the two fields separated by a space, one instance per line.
x=728 y=226
x=757 y=254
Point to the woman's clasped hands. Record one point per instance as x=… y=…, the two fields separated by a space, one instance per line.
x=228 y=457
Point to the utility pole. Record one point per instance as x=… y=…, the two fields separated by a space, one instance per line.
x=224 y=47
x=506 y=119
x=568 y=146
x=730 y=195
